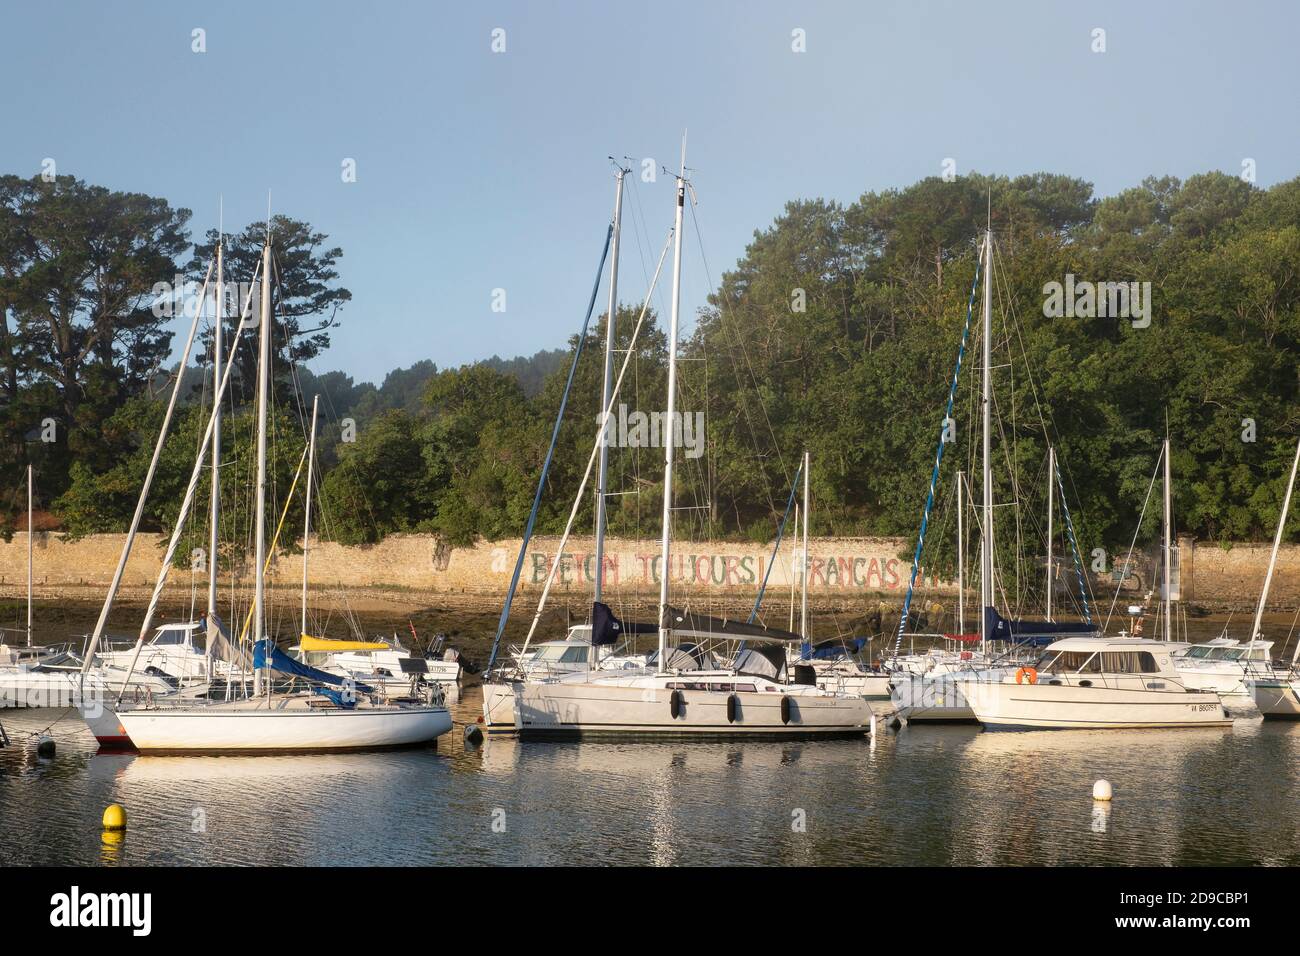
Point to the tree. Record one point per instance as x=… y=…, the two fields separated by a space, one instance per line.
x=306 y=301
x=78 y=268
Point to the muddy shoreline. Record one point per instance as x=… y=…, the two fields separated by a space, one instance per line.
x=470 y=621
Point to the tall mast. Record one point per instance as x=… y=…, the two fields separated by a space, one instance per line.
x=215 y=507
x=1272 y=560
x=796 y=548
x=1051 y=480
x=263 y=361
x=986 y=550
x=803 y=607
x=671 y=412
x=306 y=521
x=93 y=644
x=961 y=557
x=601 y=477
x=29 y=555
x=1168 y=524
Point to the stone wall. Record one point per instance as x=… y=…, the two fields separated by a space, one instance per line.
x=840 y=566
x=842 y=570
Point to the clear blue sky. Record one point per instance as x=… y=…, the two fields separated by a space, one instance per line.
x=479 y=170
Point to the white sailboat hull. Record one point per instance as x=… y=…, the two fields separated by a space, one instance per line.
x=499 y=715
x=1010 y=705
x=642 y=707
x=245 y=726
x=930 y=698
x=1276 y=699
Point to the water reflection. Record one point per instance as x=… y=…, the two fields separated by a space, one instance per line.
x=923 y=795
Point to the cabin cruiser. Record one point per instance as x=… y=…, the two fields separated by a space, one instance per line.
x=574 y=654
x=51 y=677
x=1096 y=682
x=1228 y=668
x=174 y=651
x=379 y=663
x=929 y=688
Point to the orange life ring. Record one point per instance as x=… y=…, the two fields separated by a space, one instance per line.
x=1027 y=673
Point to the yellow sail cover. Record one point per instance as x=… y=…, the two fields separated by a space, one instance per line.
x=326 y=645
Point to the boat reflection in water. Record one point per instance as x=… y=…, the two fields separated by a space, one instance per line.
x=925 y=795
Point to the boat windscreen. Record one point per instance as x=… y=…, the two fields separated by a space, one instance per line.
x=761 y=661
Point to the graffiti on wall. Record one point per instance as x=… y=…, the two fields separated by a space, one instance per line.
x=861 y=572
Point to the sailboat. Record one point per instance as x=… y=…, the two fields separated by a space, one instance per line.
x=1222 y=666
x=686 y=690
x=577 y=651
x=931 y=688
x=33 y=675
x=330 y=713
x=1276 y=691
x=832 y=661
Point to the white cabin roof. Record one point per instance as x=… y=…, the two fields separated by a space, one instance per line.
x=187 y=626
x=1094 y=644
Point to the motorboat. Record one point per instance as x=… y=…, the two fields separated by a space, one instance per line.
x=1095 y=682
x=1228 y=668
x=376 y=662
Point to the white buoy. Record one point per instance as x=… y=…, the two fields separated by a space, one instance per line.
x=873 y=724
x=1101 y=790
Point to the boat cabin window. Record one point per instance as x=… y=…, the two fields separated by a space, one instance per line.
x=1072 y=662
x=564 y=654
x=1198 y=651
x=172 y=638
x=1129 y=662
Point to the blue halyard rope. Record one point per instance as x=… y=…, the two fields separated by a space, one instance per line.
x=546 y=466
x=780 y=530
x=1074 y=548
x=938 y=458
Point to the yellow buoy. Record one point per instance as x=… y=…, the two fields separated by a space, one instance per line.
x=114 y=817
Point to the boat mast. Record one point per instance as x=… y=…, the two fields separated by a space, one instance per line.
x=1168 y=549
x=961 y=557
x=803 y=605
x=263 y=361
x=1051 y=480
x=1272 y=560
x=796 y=548
x=29 y=555
x=671 y=412
x=602 y=488
x=986 y=549
x=215 y=507
x=306 y=521
x=97 y=634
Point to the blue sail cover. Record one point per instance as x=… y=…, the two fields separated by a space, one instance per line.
x=284 y=664
x=1035 y=633
x=608 y=629
x=833 y=650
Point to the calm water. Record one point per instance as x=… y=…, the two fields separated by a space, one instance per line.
x=946 y=795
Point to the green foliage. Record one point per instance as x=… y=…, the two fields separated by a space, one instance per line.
x=380 y=484
x=836 y=331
